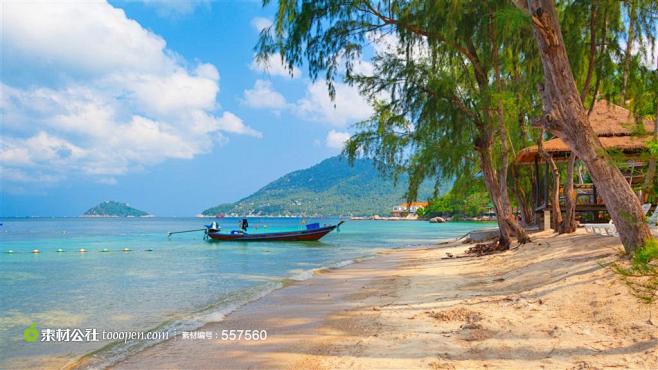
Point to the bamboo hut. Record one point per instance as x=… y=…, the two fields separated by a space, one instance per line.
x=618 y=132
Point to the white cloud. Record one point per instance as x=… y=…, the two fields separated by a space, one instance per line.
x=263 y=96
x=650 y=59
x=229 y=122
x=363 y=67
x=383 y=42
x=261 y=23
x=336 y=139
x=389 y=43
x=347 y=108
x=274 y=66
x=80 y=39
x=87 y=91
x=175 y=8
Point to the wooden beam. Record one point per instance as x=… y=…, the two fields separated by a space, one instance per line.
x=536 y=183
x=546 y=183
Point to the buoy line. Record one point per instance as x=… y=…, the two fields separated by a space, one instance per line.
x=81 y=250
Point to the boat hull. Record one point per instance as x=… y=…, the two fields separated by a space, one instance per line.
x=300 y=235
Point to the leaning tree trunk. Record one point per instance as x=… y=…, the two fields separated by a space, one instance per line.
x=504 y=216
x=508 y=216
x=569 y=222
x=506 y=213
x=500 y=199
x=565 y=116
x=489 y=175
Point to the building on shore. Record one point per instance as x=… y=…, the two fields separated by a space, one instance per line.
x=624 y=137
x=411 y=208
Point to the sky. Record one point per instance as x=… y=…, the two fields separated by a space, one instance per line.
x=159 y=104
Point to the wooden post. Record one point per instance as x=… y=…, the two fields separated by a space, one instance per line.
x=595 y=213
x=536 y=183
x=547 y=219
x=546 y=183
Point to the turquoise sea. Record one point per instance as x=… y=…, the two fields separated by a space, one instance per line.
x=160 y=284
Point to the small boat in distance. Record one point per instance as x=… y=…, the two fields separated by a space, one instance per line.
x=312 y=232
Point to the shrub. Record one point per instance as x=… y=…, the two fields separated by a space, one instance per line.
x=641 y=275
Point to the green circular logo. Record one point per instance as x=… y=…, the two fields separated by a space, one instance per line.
x=31 y=334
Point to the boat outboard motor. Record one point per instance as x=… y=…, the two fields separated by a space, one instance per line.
x=212 y=228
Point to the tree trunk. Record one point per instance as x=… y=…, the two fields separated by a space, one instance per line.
x=556 y=212
x=504 y=216
x=581 y=178
x=649 y=177
x=506 y=213
x=569 y=222
x=525 y=206
x=508 y=216
x=565 y=117
x=489 y=174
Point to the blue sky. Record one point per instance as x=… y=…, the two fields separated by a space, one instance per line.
x=158 y=104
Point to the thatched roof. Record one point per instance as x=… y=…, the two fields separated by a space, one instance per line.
x=557 y=147
x=615 y=127
x=608 y=119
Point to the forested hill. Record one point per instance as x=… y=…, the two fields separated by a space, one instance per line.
x=111 y=208
x=330 y=188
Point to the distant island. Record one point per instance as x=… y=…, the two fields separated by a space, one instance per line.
x=330 y=188
x=111 y=208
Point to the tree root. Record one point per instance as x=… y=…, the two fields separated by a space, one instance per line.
x=484 y=249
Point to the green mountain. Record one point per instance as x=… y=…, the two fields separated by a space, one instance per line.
x=330 y=188
x=111 y=208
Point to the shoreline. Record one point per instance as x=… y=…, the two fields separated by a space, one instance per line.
x=332 y=291
x=89 y=360
x=550 y=303
x=185 y=308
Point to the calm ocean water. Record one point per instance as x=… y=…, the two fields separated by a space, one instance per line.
x=179 y=285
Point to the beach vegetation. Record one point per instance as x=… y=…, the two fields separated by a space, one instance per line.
x=443 y=93
x=641 y=272
x=467 y=198
x=461 y=87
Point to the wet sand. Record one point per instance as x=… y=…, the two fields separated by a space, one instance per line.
x=548 y=304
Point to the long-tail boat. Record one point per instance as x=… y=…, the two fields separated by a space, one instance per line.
x=311 y=233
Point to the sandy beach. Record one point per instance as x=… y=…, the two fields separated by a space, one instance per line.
x=549 y=304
